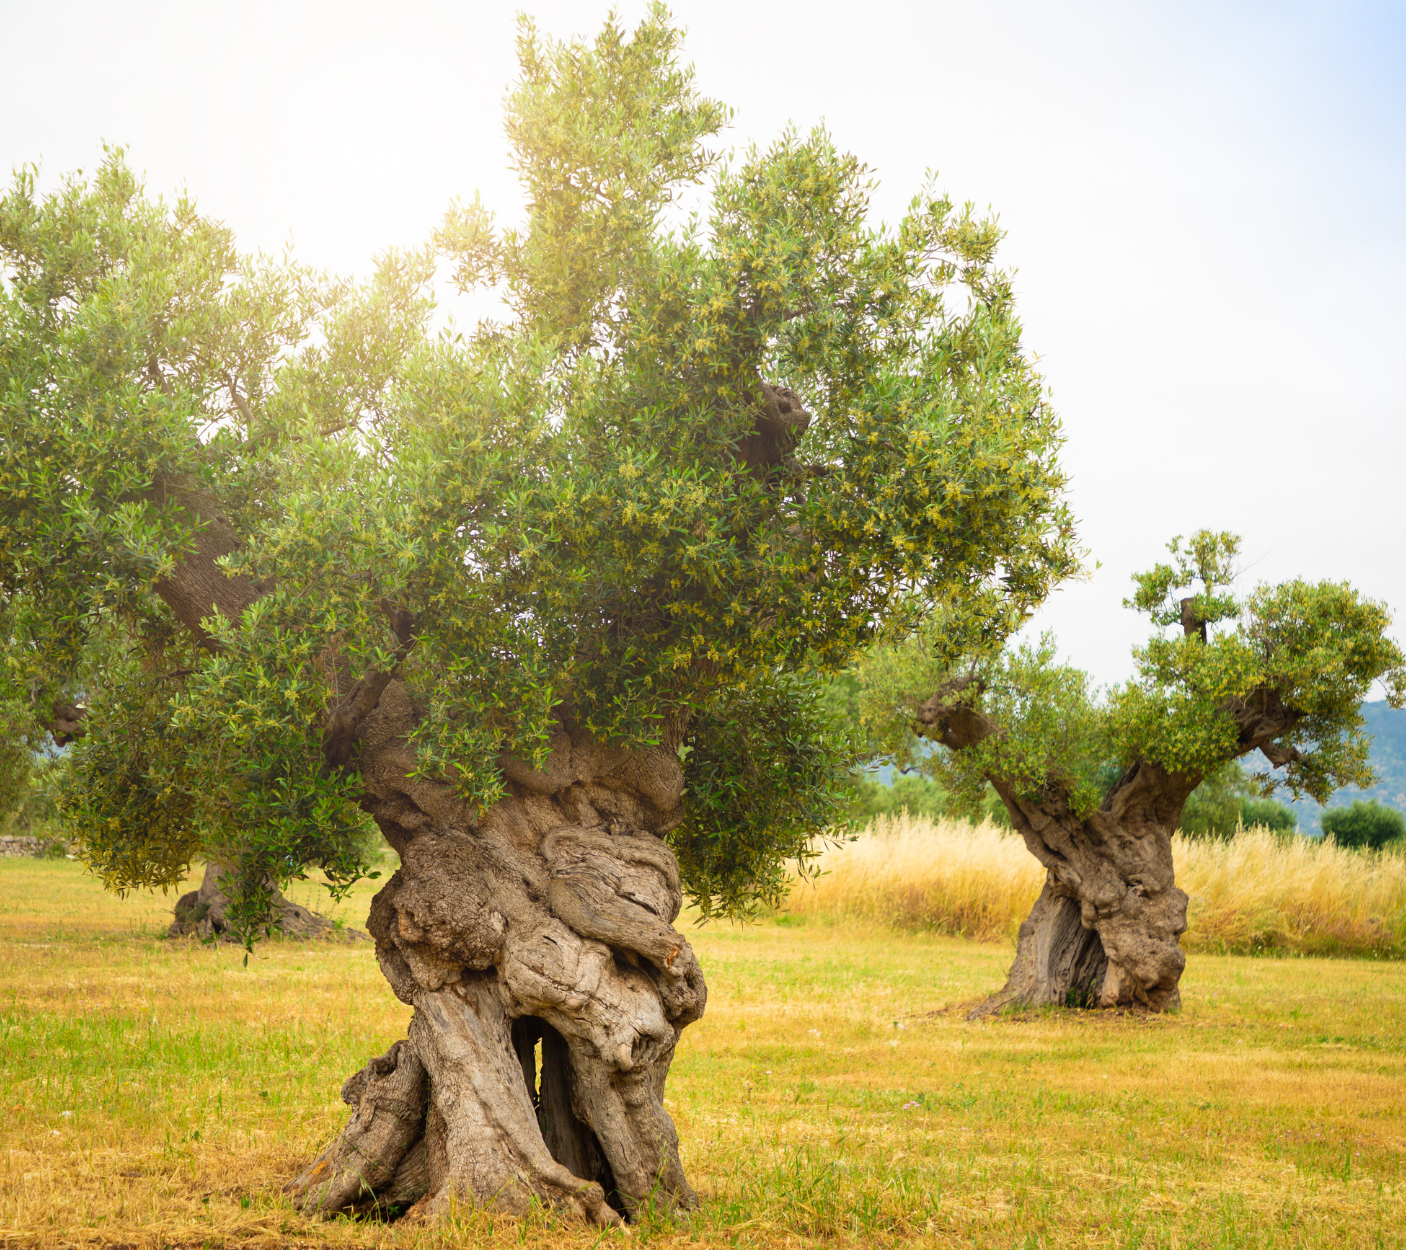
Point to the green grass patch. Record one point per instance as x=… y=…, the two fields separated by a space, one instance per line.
x=158 y=1093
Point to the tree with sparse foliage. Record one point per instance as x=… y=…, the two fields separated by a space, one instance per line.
x=1097 y=786
x=551 y=602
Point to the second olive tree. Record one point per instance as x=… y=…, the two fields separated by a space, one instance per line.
x=1096 y=786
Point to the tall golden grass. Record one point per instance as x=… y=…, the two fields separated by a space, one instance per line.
x=1257 y=892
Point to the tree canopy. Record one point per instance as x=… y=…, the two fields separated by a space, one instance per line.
x=1282 y=672
x=697 y=464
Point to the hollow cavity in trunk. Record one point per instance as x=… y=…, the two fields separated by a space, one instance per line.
x=535 y=943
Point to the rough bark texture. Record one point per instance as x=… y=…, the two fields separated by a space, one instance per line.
x=536 y=946
x=390 y=1096
x=198 y=587
x=201 y=913
x=1104 y=931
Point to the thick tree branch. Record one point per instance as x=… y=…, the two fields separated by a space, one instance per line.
x=345 y=720
x=1191 y=624
x=68 y=723
x=157 y=378
x=198 y=588
x=781 y=421
x=948 y=717
x=1261 y=717
x=1278 y=755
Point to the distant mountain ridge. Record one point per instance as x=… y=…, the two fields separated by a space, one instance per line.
x=1387 y=727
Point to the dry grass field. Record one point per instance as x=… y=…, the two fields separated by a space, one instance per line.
x=157 y=1093
x=1258 y=892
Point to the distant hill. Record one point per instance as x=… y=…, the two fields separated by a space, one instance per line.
x=1388 y=730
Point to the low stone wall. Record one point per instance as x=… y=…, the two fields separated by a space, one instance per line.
x=19 y=846
x=13 y=847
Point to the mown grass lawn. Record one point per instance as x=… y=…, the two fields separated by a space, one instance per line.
x=156 y=1092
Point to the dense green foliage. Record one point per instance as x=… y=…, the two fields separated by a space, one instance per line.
x=139 y=351
x=127 y=329
x=1309 y=651
x=595 y=509
x=767 y=769
x=16 y=761
x=1371 y=825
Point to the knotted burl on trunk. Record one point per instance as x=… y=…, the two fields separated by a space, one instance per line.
x=535 y=944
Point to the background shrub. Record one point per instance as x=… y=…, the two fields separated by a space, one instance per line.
x=1371 y=825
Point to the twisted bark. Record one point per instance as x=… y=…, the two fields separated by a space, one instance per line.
x=542 y=927
x=536 y=946
x=1105 y=930
x=389 y=1095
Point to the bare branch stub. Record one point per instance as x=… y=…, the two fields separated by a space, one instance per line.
x=950 y=717
x=68 y=723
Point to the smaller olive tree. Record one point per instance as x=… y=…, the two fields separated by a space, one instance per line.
x=1096 y=785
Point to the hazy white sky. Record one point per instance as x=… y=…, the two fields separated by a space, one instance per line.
x=1206 y=206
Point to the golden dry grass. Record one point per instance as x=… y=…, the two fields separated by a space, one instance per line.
x=911 y=872
x=157 y=1093
x=1256 y=892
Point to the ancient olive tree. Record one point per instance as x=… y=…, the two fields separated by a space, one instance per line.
x=550 y=602
x=1096 y=786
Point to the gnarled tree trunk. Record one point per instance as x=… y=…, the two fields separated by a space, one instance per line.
x=535 y=944
x=202 y=913
x=1104 y=931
